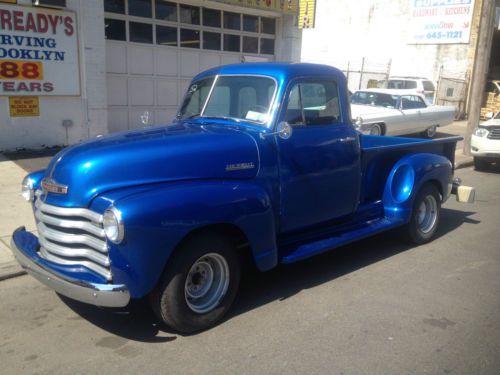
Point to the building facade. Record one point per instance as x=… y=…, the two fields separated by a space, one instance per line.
x=436 y=39
x=93 y=67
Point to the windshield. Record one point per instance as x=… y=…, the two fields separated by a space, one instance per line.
x=375 y=99
x=247 y=98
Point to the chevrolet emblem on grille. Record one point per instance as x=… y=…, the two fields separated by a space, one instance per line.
x=50 y=186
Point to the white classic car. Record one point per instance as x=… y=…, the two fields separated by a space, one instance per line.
x=388 y=112
x=485 y=143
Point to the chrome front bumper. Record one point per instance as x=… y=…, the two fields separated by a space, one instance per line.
x=107 y=295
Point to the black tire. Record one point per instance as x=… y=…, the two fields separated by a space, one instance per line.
x=418 y=230
x=480 y=164
x=170 y=298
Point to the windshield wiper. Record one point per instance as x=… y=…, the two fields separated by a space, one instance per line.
x=222 y=118
x=179 y=117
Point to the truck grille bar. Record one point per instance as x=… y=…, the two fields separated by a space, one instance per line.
x=72 y=236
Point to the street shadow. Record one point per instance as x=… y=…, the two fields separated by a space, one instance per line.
x=493 y=168
x=134 y=322
x=137 y=322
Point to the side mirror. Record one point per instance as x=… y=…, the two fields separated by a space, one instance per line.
x=284 y=130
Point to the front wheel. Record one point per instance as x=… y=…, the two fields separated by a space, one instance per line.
x=199 y=284
x=376 y=129
x=480 y=164
x=425 y=215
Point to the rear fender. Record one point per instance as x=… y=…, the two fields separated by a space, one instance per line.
x=406 y=178
x=158 y=219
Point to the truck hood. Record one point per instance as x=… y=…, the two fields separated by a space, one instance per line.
x=171 y=153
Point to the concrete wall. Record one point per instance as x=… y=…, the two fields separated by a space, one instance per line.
x=378 y=30
x=87 y=111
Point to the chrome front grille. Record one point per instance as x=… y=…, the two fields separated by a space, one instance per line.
x=72 y=236
x=494 y=133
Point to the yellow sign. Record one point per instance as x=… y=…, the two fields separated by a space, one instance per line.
x=307 y=13
x=24 y=106
x=17 y=69
x=283 y=6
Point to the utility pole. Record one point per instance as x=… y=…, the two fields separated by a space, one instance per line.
x=480 y=68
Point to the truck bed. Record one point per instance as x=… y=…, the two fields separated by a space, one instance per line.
x=380 y=153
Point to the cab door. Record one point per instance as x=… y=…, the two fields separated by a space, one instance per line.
x=319 y=163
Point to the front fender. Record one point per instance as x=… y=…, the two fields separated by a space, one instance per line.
x=158 y=218
x=406 y=178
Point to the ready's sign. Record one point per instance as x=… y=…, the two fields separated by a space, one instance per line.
x=38 y=52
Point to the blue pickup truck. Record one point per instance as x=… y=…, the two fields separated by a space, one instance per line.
x=262 y=163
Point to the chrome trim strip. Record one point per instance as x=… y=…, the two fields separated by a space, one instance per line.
x=89 y=227
x=107 y=295
x=55 y=249
x=68 y=211
x=90 y=265
x=71 y=238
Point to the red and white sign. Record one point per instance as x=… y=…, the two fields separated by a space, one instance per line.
x=38 y=52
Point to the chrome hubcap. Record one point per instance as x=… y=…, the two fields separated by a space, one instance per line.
x=375 y=130
x=206 y=283
x=427 y=214
x=431 y=132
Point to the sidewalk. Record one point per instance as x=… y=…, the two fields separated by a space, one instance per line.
x=15 y=212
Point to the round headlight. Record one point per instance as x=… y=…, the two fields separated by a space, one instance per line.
x=113 y=225
x=481 y=132
x=27 y=189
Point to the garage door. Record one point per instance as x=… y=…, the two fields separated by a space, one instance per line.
x=155 y=47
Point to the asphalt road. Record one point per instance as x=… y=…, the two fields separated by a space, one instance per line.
x=375 y=307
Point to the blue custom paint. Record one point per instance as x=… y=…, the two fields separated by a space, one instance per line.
x=324 y=187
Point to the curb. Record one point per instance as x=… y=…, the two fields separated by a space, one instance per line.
x=469 y=162
x=12 y=275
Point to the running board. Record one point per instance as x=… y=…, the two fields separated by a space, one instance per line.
x=318 y=247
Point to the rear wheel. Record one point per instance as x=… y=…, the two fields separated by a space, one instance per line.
x=425 y=215
x=199 y=284
x=430 y=132
x=480 y=164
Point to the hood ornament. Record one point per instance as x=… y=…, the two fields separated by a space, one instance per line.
x=50 y=186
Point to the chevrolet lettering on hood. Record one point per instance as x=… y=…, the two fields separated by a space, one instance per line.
x=239 y=166
x=50 y=186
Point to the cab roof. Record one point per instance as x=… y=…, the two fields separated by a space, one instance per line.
x=280 y=71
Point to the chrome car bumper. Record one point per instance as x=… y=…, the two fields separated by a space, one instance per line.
x=108 y=295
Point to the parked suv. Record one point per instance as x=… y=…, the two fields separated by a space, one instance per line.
x=485 y=142
x=410 y=85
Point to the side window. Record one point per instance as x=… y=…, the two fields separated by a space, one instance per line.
x=418 y=102
x=412 y=102
x=410 y=85
x=313 y=103
x=406 y=102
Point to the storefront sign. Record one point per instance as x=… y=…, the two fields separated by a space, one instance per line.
x=283 y=6
x=307 y=12
x=24 y=106
x=38 y=52
x=441 y=21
